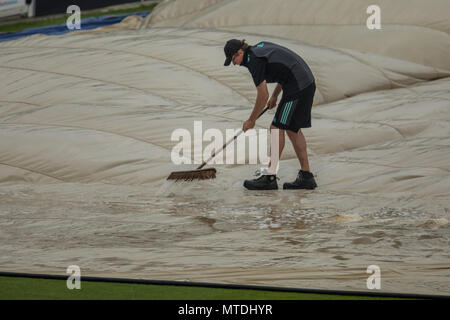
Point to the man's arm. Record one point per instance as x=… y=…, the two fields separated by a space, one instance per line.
x=261 y=100
x=276 y=91
x=273 y=99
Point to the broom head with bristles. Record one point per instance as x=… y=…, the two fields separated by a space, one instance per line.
x=193 y=174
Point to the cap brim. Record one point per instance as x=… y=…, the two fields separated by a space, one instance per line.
x=227 y=61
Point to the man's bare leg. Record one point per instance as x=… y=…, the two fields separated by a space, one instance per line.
x=277 y=141
x=268 y=180
x=299 y=143
x=305 y=179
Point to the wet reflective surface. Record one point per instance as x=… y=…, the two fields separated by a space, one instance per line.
x=194 y=231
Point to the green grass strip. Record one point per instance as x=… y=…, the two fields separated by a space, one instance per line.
x=16 y=288
x=19 y=26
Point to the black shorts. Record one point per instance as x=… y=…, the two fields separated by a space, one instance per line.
x=294 y=112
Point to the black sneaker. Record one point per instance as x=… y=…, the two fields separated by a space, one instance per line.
x=264 y=182
x=305 y=180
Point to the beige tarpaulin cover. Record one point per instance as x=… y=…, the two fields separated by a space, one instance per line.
x=96 y=109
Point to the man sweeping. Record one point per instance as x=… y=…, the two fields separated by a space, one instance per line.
x=271 y=63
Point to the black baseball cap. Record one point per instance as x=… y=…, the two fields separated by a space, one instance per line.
x=231 y=47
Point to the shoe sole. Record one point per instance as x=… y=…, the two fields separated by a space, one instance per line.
x=254 y=188
x=299 y=188
x=261 y=188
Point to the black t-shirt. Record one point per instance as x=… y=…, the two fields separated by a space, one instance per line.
x=276 y=71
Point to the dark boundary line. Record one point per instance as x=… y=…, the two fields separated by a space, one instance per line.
x=226 y=286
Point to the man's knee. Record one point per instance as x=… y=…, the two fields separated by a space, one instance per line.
x=272 y=127
x=275 y=129
x=293 y=135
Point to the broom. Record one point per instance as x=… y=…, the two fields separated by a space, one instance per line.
x=200 y=173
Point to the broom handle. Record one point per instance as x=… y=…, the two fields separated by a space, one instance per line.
x=228 y=142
